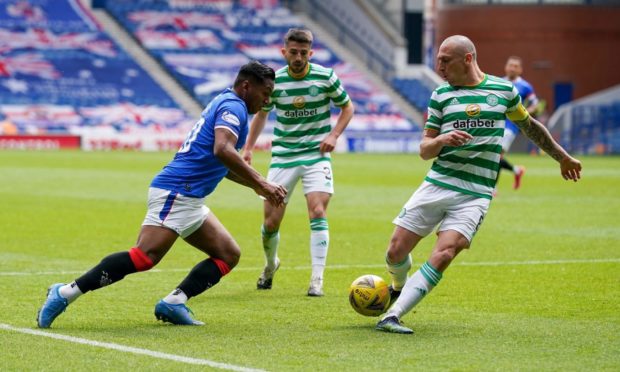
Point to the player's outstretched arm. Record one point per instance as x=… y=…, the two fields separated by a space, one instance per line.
x=256 y=127
x=570 y=168
x=242 y=172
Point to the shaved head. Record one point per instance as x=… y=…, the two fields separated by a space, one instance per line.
x=457 y=63
x=460 y=45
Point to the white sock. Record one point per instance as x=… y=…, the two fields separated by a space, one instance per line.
x=416 y=288
x=398 y=272
x=70 y=291
x=176 y=297
x=319 y=245
x=271 y=240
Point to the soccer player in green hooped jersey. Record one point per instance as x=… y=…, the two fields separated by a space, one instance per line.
x=463 y=133
x=303 y=140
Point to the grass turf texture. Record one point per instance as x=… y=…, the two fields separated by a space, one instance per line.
x=63 y=211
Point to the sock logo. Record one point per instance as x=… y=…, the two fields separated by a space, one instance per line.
x=105 y=279
x=421 y=290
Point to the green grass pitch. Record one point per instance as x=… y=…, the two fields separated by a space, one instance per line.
x=539 y=289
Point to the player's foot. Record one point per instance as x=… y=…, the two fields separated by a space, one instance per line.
x=53 y=306
x=265 y=280
x=519 y=171
x=392 y=324
x=394 y=294
x=178 y=314
x=316 y=287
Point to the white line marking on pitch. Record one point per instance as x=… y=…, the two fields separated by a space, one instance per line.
x=336 y=267
x=129 y=349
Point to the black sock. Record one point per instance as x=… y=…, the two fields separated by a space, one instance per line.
x=202 y=277
x=503 y=163
x=110 y=270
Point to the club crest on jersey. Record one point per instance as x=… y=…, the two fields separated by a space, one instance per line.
x=299 y=102
x=230 y=118
x=313 y=91
x=472 y=110
x=492 y=100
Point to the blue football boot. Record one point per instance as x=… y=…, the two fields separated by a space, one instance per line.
x=53 y=306
x=178 y=314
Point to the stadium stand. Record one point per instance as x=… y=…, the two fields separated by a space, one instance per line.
x=590 y=125
x=203 y=43
x=60 y=73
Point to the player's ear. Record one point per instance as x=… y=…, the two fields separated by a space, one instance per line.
x=310 y=53
x=283 y=51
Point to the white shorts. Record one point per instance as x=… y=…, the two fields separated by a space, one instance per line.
x=317 y=177
x=431 y=205
x=508 y=139
x=182 y=214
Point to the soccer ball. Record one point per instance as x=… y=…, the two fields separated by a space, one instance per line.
x=369 y=295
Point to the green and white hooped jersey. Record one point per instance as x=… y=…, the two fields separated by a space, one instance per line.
x=481 y=111
x=303 y=115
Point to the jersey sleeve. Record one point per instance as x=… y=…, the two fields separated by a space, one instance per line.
x=435 y=114
x=232 y=116
x=515 y=110
x=529 y=96
x=336 y=92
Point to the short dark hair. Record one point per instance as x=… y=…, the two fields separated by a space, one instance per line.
x=300 y=35
x=255 y=71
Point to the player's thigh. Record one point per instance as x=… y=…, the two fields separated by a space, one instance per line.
x=287 y=177
x=318 y=177
x=214 y=239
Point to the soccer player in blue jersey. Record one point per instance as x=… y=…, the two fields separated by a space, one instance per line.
x=514 y=69
x=176 y=204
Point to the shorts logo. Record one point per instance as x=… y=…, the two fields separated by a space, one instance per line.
x=313 y=91
x=472 y=110
x=299 y=102
x=230 y=118
x=402 y=213
x=492 y=100
x=328 y=173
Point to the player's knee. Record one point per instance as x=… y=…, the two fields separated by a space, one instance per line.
x=271 y=225
x=231 y=256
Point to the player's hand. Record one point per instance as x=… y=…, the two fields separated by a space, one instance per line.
x=273 y=192
x=247 y=156
x=328 y=144
x=455 y=138
x=570 y=168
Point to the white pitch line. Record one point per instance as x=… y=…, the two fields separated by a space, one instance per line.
x=343 y=267
x=129 y=349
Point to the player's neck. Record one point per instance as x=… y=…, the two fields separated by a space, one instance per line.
x=301 y=74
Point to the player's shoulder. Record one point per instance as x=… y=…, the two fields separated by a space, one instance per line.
x=320 y=70
x=492 y=79
x=443 y=88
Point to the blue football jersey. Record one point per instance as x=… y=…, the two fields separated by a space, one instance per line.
x=528 y=97
x=195 y=171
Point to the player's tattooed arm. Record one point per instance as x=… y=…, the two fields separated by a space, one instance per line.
x=537 y=132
